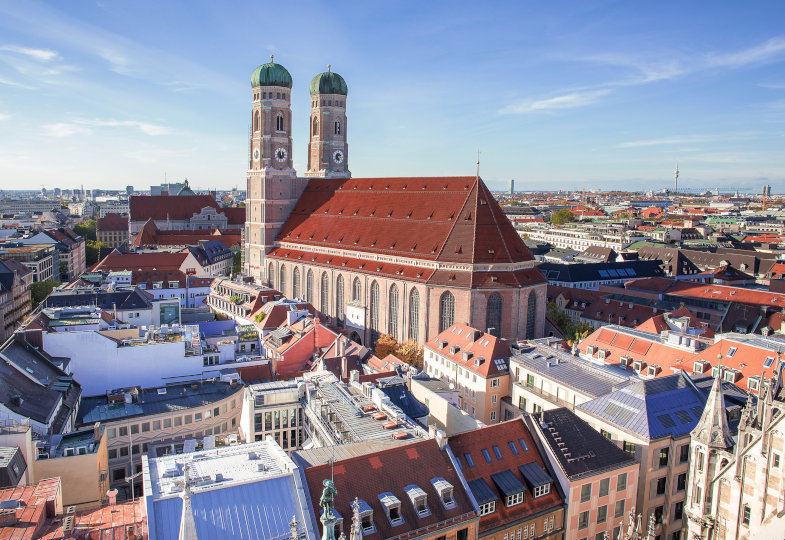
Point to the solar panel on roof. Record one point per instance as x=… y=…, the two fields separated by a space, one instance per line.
x=666 y=420
x=697 y=412
x=603 y=273
x=624 y=416
x=613 y=272
x=684 y=417
x=631 y=272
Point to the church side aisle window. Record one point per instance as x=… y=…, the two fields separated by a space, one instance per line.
x=414 y=314
x=446 y=311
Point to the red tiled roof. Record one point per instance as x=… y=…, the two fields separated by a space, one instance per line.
x=617 y=343
x=368 y=476
x=500 y=435
x=748 y=360
x=106 y=522
x=449 y=219
x=141 y=261
x=112 y=222
x=234 y=215
x=161 y=207
x=151 y=235
x=485 y=346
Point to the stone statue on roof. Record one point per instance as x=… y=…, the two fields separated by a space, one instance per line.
x=328 y=497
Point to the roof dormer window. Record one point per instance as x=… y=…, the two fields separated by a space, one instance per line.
x=392 y=506
x=445 y=491
x=366 y=516
x=419 y=500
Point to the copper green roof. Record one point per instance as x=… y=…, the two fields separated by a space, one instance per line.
x=271 y=74
x=328 y=83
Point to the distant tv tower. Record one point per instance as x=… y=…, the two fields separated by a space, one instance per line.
x=676 y=179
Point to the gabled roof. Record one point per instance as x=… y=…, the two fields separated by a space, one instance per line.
x=141 y=261
x=488 y=354
x=495 y=474
x=162 y=207
x=575 y=273
x=393 y=471
x=446 y=219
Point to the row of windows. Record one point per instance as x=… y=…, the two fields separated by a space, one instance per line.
x=528 y=531
x=602 y=514
x=315 y=125
x=123 y=451
x=165 y=423
x=604 y=487
x=280 y=125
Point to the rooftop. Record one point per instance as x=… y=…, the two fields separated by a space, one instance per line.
x=152 y=401
x=580 y=450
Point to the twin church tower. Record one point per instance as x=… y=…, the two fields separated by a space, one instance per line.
x=273 y=185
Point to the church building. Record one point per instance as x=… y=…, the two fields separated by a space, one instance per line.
x=403 y=256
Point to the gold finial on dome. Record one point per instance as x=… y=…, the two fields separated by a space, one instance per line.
x=328 y=68
x=272 y=57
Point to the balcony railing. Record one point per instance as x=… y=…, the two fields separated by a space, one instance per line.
x=546 y=395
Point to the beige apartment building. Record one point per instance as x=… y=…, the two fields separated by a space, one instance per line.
x=15 y=304
x=160 y=421
x=652 y=420
x=475 y=363
x=79 y=458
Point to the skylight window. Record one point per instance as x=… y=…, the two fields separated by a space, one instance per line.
x=497 y=452
x=523 y=445
x=769 y=361
x=513 y=448
x=731 y=352
x=469 y=460
x=486 y=455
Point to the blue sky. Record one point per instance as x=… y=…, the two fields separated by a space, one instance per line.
x=563 y=95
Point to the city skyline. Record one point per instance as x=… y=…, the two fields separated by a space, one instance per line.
x=607 y=97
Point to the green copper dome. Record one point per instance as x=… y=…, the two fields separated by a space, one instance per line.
x=271 y=74
x=328 y=83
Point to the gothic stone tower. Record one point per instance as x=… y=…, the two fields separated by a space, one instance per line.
x=328 y=153
x=273 y=187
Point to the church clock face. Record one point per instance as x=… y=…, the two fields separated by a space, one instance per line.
x=256 y=154
x=338 y=156
x=280 y=154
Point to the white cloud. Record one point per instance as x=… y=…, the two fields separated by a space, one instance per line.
x=82 y=126
x=62 y=129
x=768 y=51
x=43 y=55
x=4 y=117
x=565 y=101
x=662 y=142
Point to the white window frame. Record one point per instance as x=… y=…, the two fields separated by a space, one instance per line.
x=487 y=508
x=514 y=500
x=540 y=491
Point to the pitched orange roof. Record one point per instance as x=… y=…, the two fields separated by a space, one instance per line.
x=463 y=338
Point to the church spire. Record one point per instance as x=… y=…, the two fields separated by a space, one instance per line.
x=712 y=428
x=356 y=532
x=187 y=523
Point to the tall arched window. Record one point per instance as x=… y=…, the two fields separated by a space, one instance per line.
x=374 y=310
x=271 y=274
x=493 y=315
x=325 y=293
x=256 y=122
x=337 y=127
x=339 y=305
x=296 y=283
x=282 y=280
x=315 y=125
x=446 y=311
x=357 y=295
x=279 y=122
x=531 y=315
x=309 y=287
x=392 y=308
x=414 y=315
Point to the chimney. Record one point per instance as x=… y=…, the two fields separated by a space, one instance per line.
x=432 y=431
x=341 y=345
x=441 y=439
x=344 y=367
x=354 y=376
x=97 y=431
x=112 y=494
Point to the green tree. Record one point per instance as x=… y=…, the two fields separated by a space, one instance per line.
x=86 y=229
x=560 y=217
x=40 y=290
x=92 y=251
x=571 y=330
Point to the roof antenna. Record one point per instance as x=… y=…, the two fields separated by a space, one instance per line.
x=478 y=163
